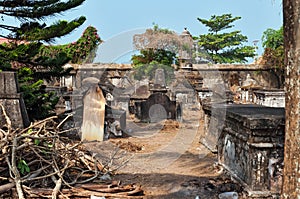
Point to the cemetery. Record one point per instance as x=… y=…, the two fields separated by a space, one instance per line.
x=181 y=120
x=245 y=136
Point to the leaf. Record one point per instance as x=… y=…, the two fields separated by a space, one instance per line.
x=37 y=141
x=23 y=166
x=27 y=169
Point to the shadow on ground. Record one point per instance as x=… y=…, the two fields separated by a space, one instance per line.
x=173 y=186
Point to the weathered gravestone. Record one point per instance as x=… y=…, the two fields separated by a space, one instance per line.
x=92 y=128
x=12 y=101
x=159 y=80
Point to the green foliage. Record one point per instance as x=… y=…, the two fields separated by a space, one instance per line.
x=273 y=55
x=148 y=70
x=83 y=50
x=26 y=37
x=37 y=141
x=161 y=56
x=26 y=52
x=23 y=166
x=272 y=41
x=39 y=103
x=219 y=23
x=29 y=32
x=224 y=47
x=156 y=28
x=38 y=10
x=149 y=60
x=272 y=38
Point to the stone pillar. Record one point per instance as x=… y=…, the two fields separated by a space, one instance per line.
x=12 y=101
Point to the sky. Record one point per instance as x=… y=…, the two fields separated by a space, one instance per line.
x=118 y=20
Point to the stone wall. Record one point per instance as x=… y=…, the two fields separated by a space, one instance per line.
x=12 y=101
x=235 y=74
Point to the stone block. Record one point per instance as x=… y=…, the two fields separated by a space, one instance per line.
x=12 y=101
x=8 y=83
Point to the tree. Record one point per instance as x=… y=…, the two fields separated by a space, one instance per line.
x=23 y=51
x=27 y=37
x=158 y=38
x=161 y=56
x=81 y=51
x=272 y=38
x=291 y=171
x=224 y=47
x=273 y=55
x=149 y=60
x=158 y=49
x=31 y=83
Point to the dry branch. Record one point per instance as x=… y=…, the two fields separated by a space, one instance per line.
x=128 y=191
x=39 y=156
x=5 y=187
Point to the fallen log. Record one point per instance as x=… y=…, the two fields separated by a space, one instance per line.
x=6 y=187
x=101 y=189
x=94 y=186
x=133 y=191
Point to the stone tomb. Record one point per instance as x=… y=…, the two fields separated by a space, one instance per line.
x=271 y=97
x=156 y=108
x=214 y=122
x=250 y=147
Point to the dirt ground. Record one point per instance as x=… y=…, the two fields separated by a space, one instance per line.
x=166 y=159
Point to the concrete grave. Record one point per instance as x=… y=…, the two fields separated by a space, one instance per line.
x=250 y=147
x=156 y=108
x=270 y=97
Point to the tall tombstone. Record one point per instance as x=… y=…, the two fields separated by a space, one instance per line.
x=291 y=176
x=160 y=79
x=12 y=101
x=92 y=128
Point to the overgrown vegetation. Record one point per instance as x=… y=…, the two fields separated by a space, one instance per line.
x=273 y=55
x=39 y=103
x=149 y=60
x=81 y=51
x=158 y=49
x=30 y=53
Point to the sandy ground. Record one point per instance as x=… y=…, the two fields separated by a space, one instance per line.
x=166 y=159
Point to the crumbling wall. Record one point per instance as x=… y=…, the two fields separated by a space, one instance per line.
x=12 y=100
x=235 y=74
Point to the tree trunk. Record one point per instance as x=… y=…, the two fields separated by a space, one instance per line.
x=291 y=180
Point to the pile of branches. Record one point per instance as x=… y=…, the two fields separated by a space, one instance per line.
x=39 y=161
